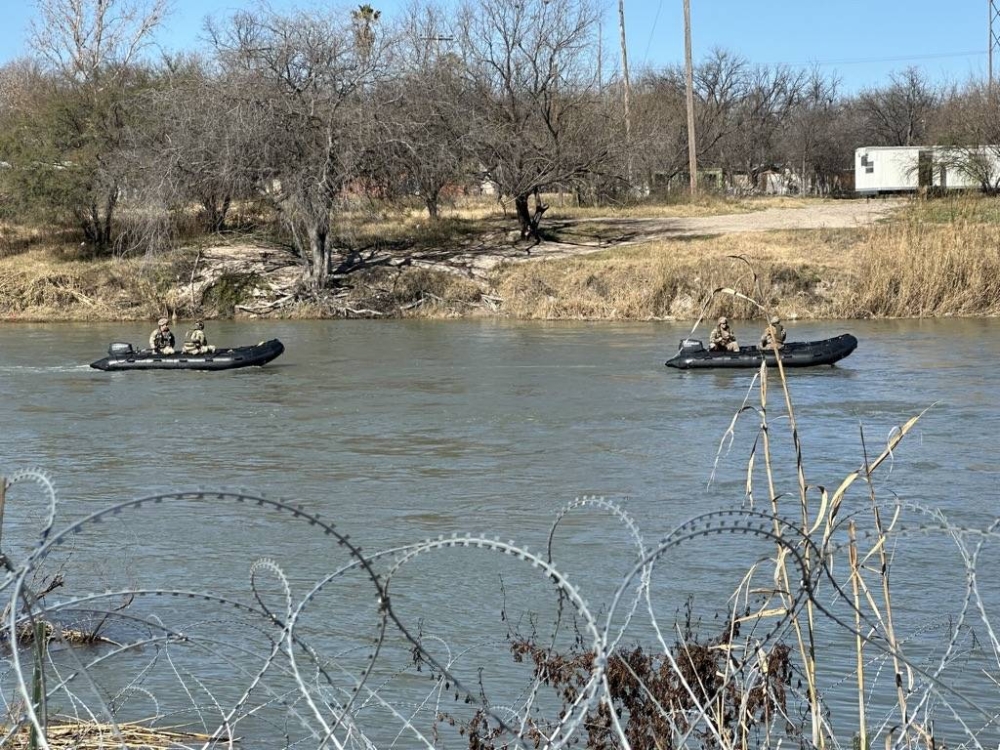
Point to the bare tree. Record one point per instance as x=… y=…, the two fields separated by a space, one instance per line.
x=968 y=124
x=83 y=39
x=93 y=47
x=530 y=65
x=661 y=140
x=24 y=92
x=813 y=143
x=423 y=140
x=302 y=83
x=201 y=150
x=897 y=114
x=18 y=80
x=764 y=109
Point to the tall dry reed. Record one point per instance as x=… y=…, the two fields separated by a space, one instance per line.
x=915 y=268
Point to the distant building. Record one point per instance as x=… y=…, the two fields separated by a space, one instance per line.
x=909 y=169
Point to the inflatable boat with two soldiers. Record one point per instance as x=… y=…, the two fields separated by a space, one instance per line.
x=692 y=354
x=122 y=356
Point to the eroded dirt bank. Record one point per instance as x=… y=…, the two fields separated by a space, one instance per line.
x=612 y=267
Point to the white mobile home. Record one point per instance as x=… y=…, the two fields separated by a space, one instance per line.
x=896 y=169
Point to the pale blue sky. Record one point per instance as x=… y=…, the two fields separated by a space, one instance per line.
x=863 y=41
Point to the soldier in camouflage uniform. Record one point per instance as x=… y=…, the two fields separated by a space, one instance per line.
x=722 y=338
x=775 y=341
x=161 y=340
x=197 y=342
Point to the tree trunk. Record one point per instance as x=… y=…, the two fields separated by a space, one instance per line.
x=523 y=217
x=529 y=222
x=536 y=218
x=109 y=210
x=215 y=213
x=431 y=201
x=319 y=255
x=88 y=223
x=97 y=223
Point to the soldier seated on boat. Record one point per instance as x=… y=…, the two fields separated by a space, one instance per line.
x=775 y=340
x=161 y=341
x=722 y=338
x=197 y=342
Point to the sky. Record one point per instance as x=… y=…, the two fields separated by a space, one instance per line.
x=862 y=41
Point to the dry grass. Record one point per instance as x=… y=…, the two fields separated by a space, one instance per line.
x=917 y=269
x=92 y=735
x=936 y=258
x=921 y=264
x=955 y=208
x=50 y=283
x=412 y=229
x=17 y=239
x=798 y=274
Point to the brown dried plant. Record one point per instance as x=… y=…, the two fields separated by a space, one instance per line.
x=658 y=706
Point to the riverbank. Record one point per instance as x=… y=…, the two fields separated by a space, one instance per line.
x=802 y=259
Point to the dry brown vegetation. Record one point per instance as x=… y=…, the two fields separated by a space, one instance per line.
x=93 y=735
x=913 y=268
x=49 y=283
x=934 y=258
x=798 y=273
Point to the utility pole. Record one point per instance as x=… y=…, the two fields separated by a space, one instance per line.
x=600 y=60
x=689 y=75
x=628 y=117
x=993 y=6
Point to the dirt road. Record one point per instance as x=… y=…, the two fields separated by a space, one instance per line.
x=820 y=215
x=832 y=214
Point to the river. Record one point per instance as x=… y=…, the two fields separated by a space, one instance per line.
x=397 y=432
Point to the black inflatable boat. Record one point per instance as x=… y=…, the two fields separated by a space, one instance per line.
x=123 y=357
x=692 y=354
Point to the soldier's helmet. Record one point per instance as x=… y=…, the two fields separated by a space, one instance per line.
x=723 y=321
x=775 y=320
x=162 y=322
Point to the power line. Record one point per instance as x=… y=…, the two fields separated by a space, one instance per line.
x=979 y=53
x=652 y=30
x=894 y=58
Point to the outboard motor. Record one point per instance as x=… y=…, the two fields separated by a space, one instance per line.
x=690 y=346
x=121 y=350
